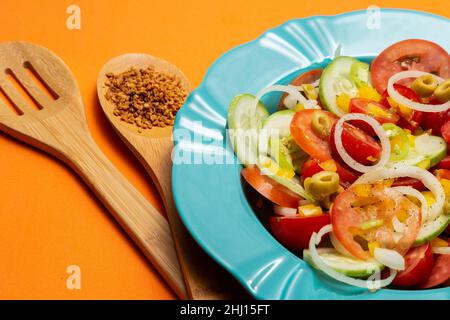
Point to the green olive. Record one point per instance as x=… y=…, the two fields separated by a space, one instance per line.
x=321 y=124
x=443 y=91
x=322 y=184
x=424 y=86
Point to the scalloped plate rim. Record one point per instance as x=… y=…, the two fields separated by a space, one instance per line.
x=216 y=256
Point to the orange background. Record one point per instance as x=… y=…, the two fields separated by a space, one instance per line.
x=49 y=219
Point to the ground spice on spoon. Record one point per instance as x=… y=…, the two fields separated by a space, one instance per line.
x=145 y=97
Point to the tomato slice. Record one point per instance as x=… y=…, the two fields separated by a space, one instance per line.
x=444 y=163
x=372 y=108
x=346 y=175
x=305 y=78
x=295 y=232
x=270 y=189
x=434 y=120
x=410 y=119
x=413 y=54
x=358 y=144
x=409 y=182
x=352 y=210
x=418 y=265
x=440 y=272
x=445 y=131
x=305 y=137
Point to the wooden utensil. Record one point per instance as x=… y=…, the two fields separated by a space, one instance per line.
x=204 y=278
x=47 y=112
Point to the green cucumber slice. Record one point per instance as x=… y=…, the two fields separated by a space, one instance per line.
x=359 y=74
x=432 y=147
x=335 y=80
x=399 y=142
x=243 y=127
x=432 y=229
x=349 y=266
x=276 y=141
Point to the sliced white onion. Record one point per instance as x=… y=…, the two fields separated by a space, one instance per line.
x=410 y=191
x=385 y=143
x=338 y=246
x=284 y=211
x=398 y=226
x=370 y=284
x=441 y=250
x=427 y=178
x=308 y=104
x=411 y=104
x=389 y=258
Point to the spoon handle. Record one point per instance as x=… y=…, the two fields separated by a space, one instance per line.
x=205 y=279
x=143 y=223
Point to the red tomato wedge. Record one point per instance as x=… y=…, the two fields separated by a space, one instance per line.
x=440 y=272
x=358 y=144
x=444 y=163
x=295 y=232
x=305 y=137
x=352 y=211
x=411 y=54
x=409 y=182
x=346 y=175
x=410 y=120
x=418 y=265
x=374 y=109
x=445 y=131
x=305 y=78
x=270 y=189
x=434 y=120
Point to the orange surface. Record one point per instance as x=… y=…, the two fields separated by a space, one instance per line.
x=49 y=219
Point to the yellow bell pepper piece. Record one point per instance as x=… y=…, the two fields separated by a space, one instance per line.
x=343 y=101
x=446 y=185
x=328 y=165
x=438 y=242
x=404 y=110
x=362 y=190
x=310 y=91
x=309 y=210
x=369 y=93
x=424 y=164
x=372 y=246
x=299 y=107
x=429 y=197
x=274 y=168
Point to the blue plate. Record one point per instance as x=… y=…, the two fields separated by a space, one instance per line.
x=206 y=176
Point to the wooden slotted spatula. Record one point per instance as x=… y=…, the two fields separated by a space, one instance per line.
x=56 y=123
x=204 y=278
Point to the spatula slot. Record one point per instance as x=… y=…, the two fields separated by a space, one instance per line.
x=9 y=103
x=42 y=84
x=18 y=85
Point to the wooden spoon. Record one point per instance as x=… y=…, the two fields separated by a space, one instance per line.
x=204 y=278
x=45 y=110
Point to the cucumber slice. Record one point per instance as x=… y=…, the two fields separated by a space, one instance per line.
x=359 y=73
x=349 y=266
x=243 y=134
x=336 y=79
x=292 y=184
x=432 y=147
x=432 y=229
x=276 y=141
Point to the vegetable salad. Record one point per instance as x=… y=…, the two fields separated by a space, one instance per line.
x=355 y=164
